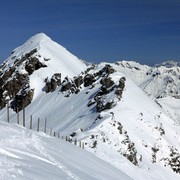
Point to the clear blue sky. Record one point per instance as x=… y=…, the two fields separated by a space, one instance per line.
x=147 y=31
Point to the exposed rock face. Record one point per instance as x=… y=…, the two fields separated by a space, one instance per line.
x=33 y=64
x=131 y=153
x=66 y=85
x=6 y=75
x=12 y=87
x=78 y=81
x=106 y=70
x=107 y=82
x=173 y=160
x=16 y=84
x=107 y=86
x=22 y=100
x=14 y=80
x=25 y=57
x=101 y=105
x=89 y=79
x=53 y=83
x=120 y=87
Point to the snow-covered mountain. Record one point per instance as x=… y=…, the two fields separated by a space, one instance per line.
x=162 y=80
x=29 y=155
x=125 y=113
x=19 y=75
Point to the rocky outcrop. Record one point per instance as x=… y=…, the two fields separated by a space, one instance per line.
x=53 y=83
x=89 y=79
x=24 y=57
x=120 y=87
x=131 y=153
x=66 y=84
x=14 y=80
x=103 y=105
x=107 y=70
x=33 y=64
x=107 y=82
x=10 y=88
x=22 y=100
x=78 y=81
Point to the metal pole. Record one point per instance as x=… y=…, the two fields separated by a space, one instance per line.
x=17 y=115
x=31 y=122
x=8 y=112
x=38 y=124
x=24 y=123
x=45 y=125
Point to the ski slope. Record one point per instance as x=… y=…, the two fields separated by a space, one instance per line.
x=25 y=155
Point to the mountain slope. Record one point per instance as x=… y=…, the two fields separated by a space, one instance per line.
x=103 y=107
x=160 y=81
x=33 y=65
x=29 y=155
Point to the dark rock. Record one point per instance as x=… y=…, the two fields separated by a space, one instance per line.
x=89 y=80
x=53 y=83
x=7 y=74
x=12 y=87
x=23 y=58
x=91 y=102
x=120 y=87
x=101 y=105
x=66 y=87
x=78 y=81
x=90 y=68
x=107 y=82
x=94 y=144
x=106 y=70
x=33 y=64
x=131 y=154
x=22 y=100
x=48 y=87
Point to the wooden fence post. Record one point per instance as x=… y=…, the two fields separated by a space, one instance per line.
x=24 y=123
x=31 y=122
x=38 y=124
x=45 y=125
x=8 y=112
x=17 y=109
x=75 y=142
x=80 y=144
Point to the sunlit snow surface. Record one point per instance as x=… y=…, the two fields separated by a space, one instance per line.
x=29 y=155
x=25 y=154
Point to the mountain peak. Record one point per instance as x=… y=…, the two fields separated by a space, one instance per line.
x=37 y=38
x=37 y=60
x=40 y=36
x=169 y=64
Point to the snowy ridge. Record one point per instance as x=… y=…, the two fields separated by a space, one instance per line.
x=160 y=81
x=121 y=111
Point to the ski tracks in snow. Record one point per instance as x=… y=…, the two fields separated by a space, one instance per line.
x=39 y=146
x=31 y=146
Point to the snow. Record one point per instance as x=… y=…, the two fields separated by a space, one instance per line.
x=138 y=114
x=171 y=106
x=25 y=154
x=142 y=116
x=54 y=56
